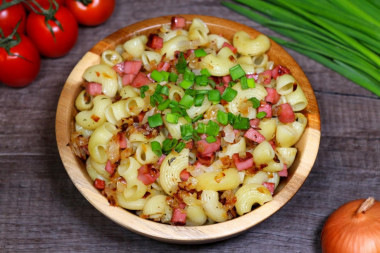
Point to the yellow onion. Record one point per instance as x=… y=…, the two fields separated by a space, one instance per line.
x=353 y=228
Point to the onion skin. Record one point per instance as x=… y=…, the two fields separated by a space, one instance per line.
x=349 y=231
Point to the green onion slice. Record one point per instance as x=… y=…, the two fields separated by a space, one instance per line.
x=222 y=117
x=156 y=148
x=236 y=72
x=155 y=120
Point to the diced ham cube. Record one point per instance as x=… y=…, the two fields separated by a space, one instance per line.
x=141 y=116
x=155 y=42
x=132 y=67
x=220 y=89
x=272 y=96
x=122 y=140
x=269 y=186
x=178 y=217
x=127 y=79
x=286 y=114
x=284 y=171
x=205 y=148
x=254 y=135
x=147 y=174
x=279 y=71
x=265 y=107
x=184 y=175
x=94 y=89
x=243 y=163
x=254 y=123
x=140 y=80
x=178 y=22
x=226 y=79
x=99 y=184
x=233 y=49
x=110 y=167
x=163 y=66
x=119 y=68
x=206 y=160
x=266 y=76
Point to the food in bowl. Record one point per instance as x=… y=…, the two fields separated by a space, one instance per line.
x=187 y=128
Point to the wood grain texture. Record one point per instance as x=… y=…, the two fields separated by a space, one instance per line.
x=42 y=211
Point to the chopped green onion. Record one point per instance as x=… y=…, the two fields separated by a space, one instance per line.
x=189 y=75
x=191 y=92
x=210 y=139
x=187 y=101
x=165 y=75
x=179 y=147
x=181 y=64
x=173 y=77
x=188 y=119
x=229 y=94
x=172 y=118
x=156 y=148
x=261 y=115
x=198 y=101
x=236 y=72
x=155 y=120
x=222 y=117
x=201 y=80
x=197 y=118
x=200 y=52
x=214 y=96
x=164 y=105
x=158 y=89
x=255 y=102
x=202 y=91
x=173 y=104
x=143 y=89
x=187 y=131
x=244 y=83
x=241 y=123
x=186 y=84
x=168 y=145
x=212 y=83
x=231 y=118
x=201 y=128
x=251 y=83
x=165 y=90
x=212 y=128
x=205 y=72
x=157 y=76
x=231 y=84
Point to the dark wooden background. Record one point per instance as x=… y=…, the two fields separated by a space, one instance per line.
x=42 y=211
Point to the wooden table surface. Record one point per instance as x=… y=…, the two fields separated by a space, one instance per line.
x=42 y=211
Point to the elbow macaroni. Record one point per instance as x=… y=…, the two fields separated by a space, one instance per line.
x=167 y=168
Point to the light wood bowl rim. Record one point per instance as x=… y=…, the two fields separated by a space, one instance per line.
x=308 y=145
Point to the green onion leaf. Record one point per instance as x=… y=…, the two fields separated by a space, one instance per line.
x=156 y=148
x=200 y=52
x=205 y=72
x=222 y=117
x=210 y=139
x=214 y=96
x=244 y=83
x=231 y=118
x=236 y=72
x=179 y=147
x=173 y=77
x=186 y=84
x=165 y=90
x=251 y=83
x=199 y=98
x=172 y=118
x=201 y=128
x=189 y=75
x=143 y=89
x=157 y=76
x=197 y=118
x=162 y=106
x=181 y=64
x=229 y=94
x=168 y=145
x=212 y=83
x=187 y=101
x=201 y=80
x=191 y=92
x=212 y=128
x=261 y=115
x=255 y=102
x=241 y=123
x=155 y=120
x=187 y=131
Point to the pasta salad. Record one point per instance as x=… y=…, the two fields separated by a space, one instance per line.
x=186 y=127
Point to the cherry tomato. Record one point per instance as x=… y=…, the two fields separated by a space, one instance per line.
x=94 y=13
x=21 y=66
x=43 y=3
x=63 y=40
x=10 y=16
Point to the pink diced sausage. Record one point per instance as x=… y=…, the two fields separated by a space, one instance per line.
x=254 y=135
x=178 y=22
x=178 y=217
x=286 y=114
x=94 y=89
x=265 y=107
x=284 y=171
x=132 y=67
x=272 y=96
x=140 y=80
x=127 y=79
x=205 y=148
x=269 y=186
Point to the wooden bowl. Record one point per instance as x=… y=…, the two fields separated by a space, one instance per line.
x=307 y=146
